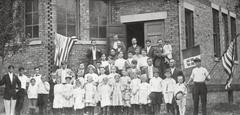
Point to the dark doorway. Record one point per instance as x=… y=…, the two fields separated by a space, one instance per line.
x=135 y=29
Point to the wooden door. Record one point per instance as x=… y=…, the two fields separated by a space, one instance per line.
x=154 y=31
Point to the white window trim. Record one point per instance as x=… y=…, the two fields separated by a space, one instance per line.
x=188 y=6
x=232 y=14
x=225 y=11
x=215 y=6
x=143 y=17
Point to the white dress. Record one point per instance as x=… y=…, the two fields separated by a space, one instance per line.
x=120 y=63
x=90 y=94
x=104 y=94
x=32 y=92
x=143 y=61
x=135 y=85
x=169 y=85
x=78 y=96
x=68 y=95
x=100 y=78
x=111 y=78
x=94 y=76
x=58 y=100
x=144 y=91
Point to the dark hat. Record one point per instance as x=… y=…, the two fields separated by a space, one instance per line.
x=197 y=60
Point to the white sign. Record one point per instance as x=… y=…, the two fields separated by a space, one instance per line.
x=188 y=62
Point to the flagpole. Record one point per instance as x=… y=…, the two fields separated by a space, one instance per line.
x=221 y=57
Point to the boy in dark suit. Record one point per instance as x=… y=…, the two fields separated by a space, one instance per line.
x=149 y=49
x=134 y=46
x=10 y=80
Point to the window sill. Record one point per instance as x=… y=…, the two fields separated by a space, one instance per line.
x=236 y=62
x=35 y=41
x=88 y=42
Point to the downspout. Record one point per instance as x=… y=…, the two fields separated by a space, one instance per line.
x=180 y=30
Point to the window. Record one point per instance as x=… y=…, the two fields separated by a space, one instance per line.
x=189 y=28
x=31 y=18
x=233 y=35
x=225 y=28
x=216 y=33
x=66 y=17
x=98 y=11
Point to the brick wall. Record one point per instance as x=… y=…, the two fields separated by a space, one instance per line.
x=131 y=7
x=203 y=30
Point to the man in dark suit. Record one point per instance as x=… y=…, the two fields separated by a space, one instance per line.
x=150 y=69
x=175 y=73
x=159 y=58
x=149 y=49
x=134 y=46
x=11 y=81
x=93 y=53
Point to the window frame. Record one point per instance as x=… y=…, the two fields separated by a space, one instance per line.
x=189 y=28
x=76 y=21
x=32 y=25
x=225 y=30
x=216 y=33
x=233 y=34
x=99 y=25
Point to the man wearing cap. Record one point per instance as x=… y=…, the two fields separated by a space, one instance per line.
x=199 y=76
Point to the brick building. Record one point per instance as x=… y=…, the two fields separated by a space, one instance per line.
x=206 y=24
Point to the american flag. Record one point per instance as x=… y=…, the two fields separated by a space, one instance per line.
x=63 y=46
x=228 y=60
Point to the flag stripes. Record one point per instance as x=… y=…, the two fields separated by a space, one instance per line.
x=228 y=58
x=63 y=46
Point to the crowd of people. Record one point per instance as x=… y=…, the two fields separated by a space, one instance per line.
x=127 y=81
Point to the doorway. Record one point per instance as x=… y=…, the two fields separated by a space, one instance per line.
x=135 y=30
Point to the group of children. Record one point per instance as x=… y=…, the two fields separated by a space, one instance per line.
x=125 y=92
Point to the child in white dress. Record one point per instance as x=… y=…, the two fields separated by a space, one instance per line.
x=90 y=95
x=111 y=76
x=58 y=100
x=91 y=70
x=135 y=85
x=167 y=49
x=143 y=59
x=78 y=97
x=168 y=91
x=117 y=100
x=102 y=75
x=181 y=95
x=68 y=96
x=125 y=81
x=32 y=96
x=105 y=91
x=120 y=62
x=144 y=91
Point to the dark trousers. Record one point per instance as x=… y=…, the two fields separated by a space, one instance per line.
x=57 y=111
x=199 y=90
x=42 y=103
x=20 y=101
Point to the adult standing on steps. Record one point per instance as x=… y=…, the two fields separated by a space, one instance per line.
x=199 y=76
x=11 y=81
